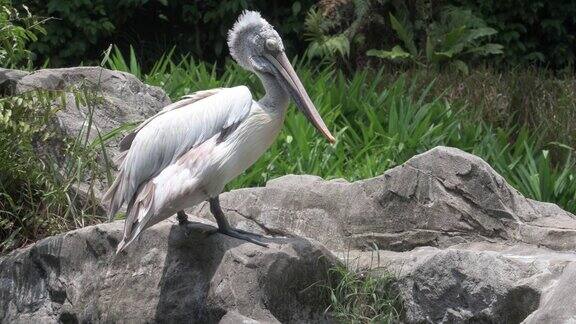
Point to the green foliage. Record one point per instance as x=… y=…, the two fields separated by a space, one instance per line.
x=78 y=27
x=458 y=35
x=18 y=28
x=115 y=61
x=81 y=29
x=381 y=121
x=543 y=181
x=363 y=297
x=542 y=32
x=22 y=120
x=529 y=97
x=329 y=38
x=38 y=191
x=321 y=44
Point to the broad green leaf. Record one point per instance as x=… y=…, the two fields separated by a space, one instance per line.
x=481 y=32
x=441 y=56
x=461 y=66
x=487 y=49
x=403 y=33
x=396 y=53
x=454 y=38
x=134 y=66
x=330 y=47
x=296 y=7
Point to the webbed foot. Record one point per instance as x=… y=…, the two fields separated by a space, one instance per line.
x=182 y=218
x=242 y=235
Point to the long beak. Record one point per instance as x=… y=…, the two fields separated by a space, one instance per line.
x=296 y=89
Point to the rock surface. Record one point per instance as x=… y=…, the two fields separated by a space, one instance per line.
x=9 y=79
x=119 y=97
x=439 y=198
x=170 y=275
x=465 y=245
x=477 y=282
x=115 y=99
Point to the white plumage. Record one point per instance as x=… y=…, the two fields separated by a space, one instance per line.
x=191 y=149
x=180 y=147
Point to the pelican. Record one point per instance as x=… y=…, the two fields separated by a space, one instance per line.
x=188 y=152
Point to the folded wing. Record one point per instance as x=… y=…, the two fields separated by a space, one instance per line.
x=162 y=139
x=185 y=101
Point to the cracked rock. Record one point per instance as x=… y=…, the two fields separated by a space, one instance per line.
x=465 y=245
x=171 y=274
x=116 y=98
x=439 y=198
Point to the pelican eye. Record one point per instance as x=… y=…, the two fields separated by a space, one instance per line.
x=271 y=44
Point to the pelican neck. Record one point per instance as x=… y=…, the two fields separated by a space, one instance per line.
x=276 y=98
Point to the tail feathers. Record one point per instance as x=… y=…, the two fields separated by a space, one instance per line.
x=121 y=246
x=124 y=244
x=138 y=216
x=114 y=197
x=119 y=159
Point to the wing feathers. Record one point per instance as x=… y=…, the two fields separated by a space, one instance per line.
x=198 y=95
x=165 y=137
x=138 y=216
x=185 y=101
x=113 y=198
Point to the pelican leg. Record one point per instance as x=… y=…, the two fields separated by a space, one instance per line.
x=182 y=218
x=225 y=228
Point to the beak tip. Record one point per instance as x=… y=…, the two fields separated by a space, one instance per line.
x=331 y=139
x=300 y=96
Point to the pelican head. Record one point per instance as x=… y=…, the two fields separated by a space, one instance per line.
x=257 y=47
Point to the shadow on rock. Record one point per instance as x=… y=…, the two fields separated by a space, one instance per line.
x=206 y=275
x=192 y=258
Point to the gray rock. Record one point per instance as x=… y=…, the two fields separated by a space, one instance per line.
x=169 y=275
x=233 y=317
x=476 y=282
x=9 y=79
x=559 y=304
x=439 y=198
x=464 y=246
x=453 y=205
x=116 y=98
x=112 y=98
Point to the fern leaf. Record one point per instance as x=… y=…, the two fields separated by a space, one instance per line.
x=404 y=35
